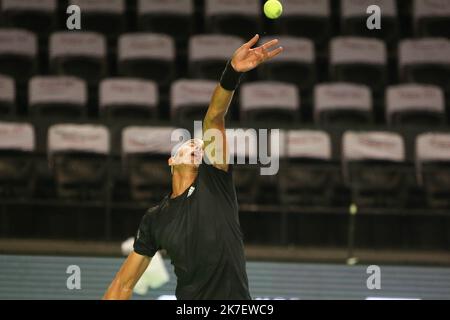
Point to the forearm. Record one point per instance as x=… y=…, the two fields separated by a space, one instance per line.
x=122 y=286
x=218 y=108
x=244 y=59
x=222 y=96
x=118 y=291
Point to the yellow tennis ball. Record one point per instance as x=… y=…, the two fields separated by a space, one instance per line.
x=353 y=209
x=273 y=9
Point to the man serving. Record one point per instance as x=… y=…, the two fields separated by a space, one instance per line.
x=198 y=223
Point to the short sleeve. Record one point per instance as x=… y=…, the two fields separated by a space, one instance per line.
x=144 y=242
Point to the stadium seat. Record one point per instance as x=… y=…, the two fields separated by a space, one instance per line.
x=78 y=155
x=342 y=103
x=296 y=65
x=57 y=97
x=354 y=19
x=147 y=55
x=189 y=99
x=359 y=60
x=243 y=154
x=268 y=185
x=307 y=175
x=146 y=151
x=17 y=145
x=373 y=168
x=426 y=61
x=234 y=17
x=208 y=54
x=306 y=19
x=7 y=96
x=127 y=98
x=80 y=54
x=432 y=18
x=433 y=167
x=36 y=16
x=414 y=104
x=104 y=16
x=154 y=14
x=18 y=53
x=269 y=101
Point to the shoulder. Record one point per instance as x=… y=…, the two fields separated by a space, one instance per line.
x=156 y=209
x=152 y=213
x=153 y=210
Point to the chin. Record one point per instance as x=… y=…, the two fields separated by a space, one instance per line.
x=196 y=165
x=191 y=166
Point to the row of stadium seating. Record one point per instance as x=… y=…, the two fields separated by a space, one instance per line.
x=127 y=99
x=372 y=164
x=153 y=56
x=239 y=17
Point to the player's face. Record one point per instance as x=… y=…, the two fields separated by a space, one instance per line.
x=190 y=153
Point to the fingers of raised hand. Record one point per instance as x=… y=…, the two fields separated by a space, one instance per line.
x=252 y=42
x=262 y=54
x=274 y=53
x=269 y=44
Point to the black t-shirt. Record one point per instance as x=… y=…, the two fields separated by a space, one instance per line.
x=201 y=233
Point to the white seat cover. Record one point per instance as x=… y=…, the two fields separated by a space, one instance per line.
x=119 y=91
x=7 y=89
x=18 y=42
x=268 y=94
x=155 y=140
x=29 y=5
x=315 y=8
x=76 y=137
x=295 y=49
x=358 y=8
x=180 y=7
x=185 y=92
x=17 y=136
x=424 y=51
x=67 y=44
x=430 y=147
x=433 y=146
x=146 y=46
x=242 y=143
x=431 y=8
x=241 y=7
x=57 y=89
x=347 y=50
x=409 y=97
x=213 y=46
x=375 y=145
x=311 y=144
x=100 y=6
x=336 y=96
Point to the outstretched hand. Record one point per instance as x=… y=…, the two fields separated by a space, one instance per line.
x=247 y=58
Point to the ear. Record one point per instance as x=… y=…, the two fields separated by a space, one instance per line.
x=170 y=161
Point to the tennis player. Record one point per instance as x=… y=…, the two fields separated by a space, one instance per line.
x=198 y=223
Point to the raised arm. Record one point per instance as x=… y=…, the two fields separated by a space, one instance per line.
x=244 y=59
x=129 y=274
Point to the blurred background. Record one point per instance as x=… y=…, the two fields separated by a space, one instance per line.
x=86 y=118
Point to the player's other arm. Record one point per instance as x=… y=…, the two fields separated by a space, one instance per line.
x=122 y=286
x=244 y=59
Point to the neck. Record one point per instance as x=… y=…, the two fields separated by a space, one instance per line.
x=181 y=180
